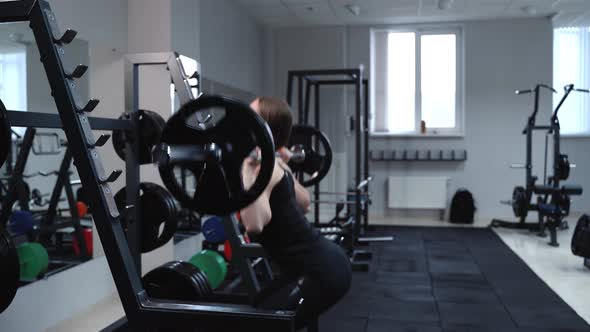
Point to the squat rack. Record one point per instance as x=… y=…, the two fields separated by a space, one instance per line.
x=359 y=124
x=143 y=313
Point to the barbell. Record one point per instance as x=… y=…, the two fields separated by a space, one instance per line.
x=211 y=137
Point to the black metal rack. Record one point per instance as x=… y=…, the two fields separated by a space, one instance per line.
x=552 y=188
x=359 y=124
x=326 y=77
x=142 y=312
x=15 y=193
x=418 y=155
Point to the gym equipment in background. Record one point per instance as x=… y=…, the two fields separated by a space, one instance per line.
x=33 y=260
x=359 y=127
x=211 y=136
x=5 y=135
x=581 y=239
x=22 y=222
x=213 y=230
x=181 y=281
x=9 y=263
x=212 y=264
x=157 y=207
x=553 y=200
x=150 y=129
x=312 y=154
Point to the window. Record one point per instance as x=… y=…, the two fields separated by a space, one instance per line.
x=415 y=77
x=571 y=51
x=13 y=78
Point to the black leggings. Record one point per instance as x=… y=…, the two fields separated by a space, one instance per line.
x=327 y=274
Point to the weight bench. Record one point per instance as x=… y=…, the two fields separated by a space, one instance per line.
x=556 y=209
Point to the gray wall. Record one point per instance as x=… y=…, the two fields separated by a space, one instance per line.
x=102 y=26
x=231 y=45
x=500 y=56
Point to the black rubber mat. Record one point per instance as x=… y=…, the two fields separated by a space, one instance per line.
x=449 y=280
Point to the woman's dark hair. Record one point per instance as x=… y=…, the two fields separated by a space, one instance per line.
x=277 y=114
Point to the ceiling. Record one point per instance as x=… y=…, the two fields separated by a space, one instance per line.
x=277 y=13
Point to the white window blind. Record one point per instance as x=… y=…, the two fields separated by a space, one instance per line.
x=571 y=65
x=415 y=77
x=13 y=78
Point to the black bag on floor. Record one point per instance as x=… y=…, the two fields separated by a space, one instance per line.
x=581 y=238
x=462 y=207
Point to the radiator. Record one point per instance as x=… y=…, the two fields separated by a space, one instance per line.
x=417 y=192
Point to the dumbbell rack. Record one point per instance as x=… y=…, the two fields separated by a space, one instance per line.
x=143 y=313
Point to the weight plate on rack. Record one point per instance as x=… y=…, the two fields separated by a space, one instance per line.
x=150 y=129
x=157 y=207
x=520 y=202
x=562 y=169
x=317 y=154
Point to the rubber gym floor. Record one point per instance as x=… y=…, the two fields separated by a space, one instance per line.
x=451 y=280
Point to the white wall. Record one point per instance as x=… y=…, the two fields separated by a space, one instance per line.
x=500 y=56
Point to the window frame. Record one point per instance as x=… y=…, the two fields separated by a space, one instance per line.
x=419 y=30
x=20 y=48
x=556 y=97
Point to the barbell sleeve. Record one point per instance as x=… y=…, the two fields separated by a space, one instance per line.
x=364 y=183
x=333 y=202
x=335 y=193
x=164 y=154
x=517 y=166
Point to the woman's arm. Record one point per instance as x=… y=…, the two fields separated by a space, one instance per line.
x=256 y=215
x=302 y=195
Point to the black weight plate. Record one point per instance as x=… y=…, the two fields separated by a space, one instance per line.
x=563 y=167
x=563 y=204
x=9 y=277
x=173 y=281
x=168 y=215
x=157 y=207
x=201 y=280
x=316 y=164
x=192 y=272
x=519 y=202
x=150 y=129
x=236 y=130
x=580 y=244
x=5 y=135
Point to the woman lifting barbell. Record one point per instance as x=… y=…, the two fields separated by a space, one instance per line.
x=278 y=219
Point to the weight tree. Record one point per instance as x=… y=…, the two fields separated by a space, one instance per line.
x=143 y=313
